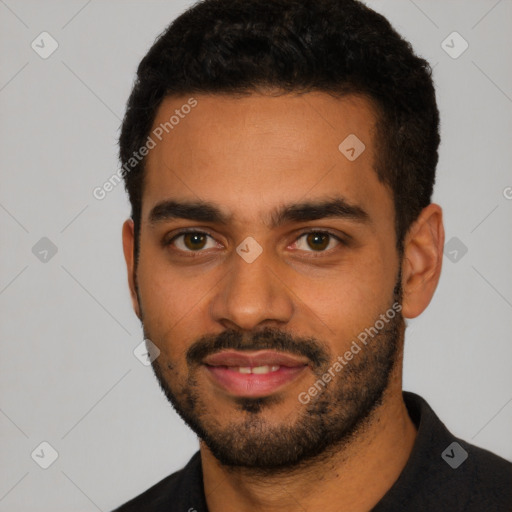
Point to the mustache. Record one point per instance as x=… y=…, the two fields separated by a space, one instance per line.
x=265 y=339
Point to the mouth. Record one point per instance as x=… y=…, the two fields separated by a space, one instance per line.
x=253 y=374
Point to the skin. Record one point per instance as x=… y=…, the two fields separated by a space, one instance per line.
x=250 y=155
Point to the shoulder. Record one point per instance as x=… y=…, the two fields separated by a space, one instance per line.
x=447 y=473
x=485 y=478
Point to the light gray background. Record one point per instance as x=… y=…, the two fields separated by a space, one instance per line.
x=67 y=372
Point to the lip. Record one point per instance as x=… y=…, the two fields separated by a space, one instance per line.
x=257 y=358
x=253 y=385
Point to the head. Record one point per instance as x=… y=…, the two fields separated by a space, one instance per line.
x=296 y=143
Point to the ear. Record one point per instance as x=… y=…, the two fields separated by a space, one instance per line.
x=423 y=257
x=129 y=256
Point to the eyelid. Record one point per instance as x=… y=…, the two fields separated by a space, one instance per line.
x=201 y=231
x=169 y=239
x=319 y=254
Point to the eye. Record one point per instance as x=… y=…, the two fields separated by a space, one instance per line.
x=318 y=241
x=311 y=241
x=191 y=241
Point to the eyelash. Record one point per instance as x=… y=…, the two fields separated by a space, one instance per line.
x=313 y=255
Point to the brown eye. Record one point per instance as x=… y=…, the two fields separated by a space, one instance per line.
x=317 y=241
x=194 y=241
x=191 y=241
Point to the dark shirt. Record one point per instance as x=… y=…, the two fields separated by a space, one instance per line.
x=443 y=474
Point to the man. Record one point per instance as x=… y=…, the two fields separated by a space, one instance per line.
x=280 y=160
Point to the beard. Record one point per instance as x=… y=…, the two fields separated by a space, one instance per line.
x=312 y=432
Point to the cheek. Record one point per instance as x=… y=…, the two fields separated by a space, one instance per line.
x=174 y=303
x=160 y=283
x=162 y=298
x=352 y=297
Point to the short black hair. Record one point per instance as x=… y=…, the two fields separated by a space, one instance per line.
x=335 y=46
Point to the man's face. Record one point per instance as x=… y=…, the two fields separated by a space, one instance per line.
x=255 y=289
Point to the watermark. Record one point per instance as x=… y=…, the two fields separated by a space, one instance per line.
x=44 y=455
x=454 y=45
x=455 y=249
x=146 y=352
x=364 y=337
x=44 y=45
x=44 y=250
x=351 y=147
x=249 y=249
x=101 y=192
x=454 y=455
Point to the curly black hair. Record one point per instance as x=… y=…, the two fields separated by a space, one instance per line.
x=335 y=46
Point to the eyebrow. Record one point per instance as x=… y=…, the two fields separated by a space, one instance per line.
x=203 y=211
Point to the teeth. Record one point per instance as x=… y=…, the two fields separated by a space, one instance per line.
x=261 y=369
x=256 y=369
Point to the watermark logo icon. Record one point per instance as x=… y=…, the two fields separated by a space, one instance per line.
x=454 y=45
x=44 y=250
x=455 y=249
x=454 y=455
x=44 y=455
x=146 y=352
x=352 y=147
x=249 y=249
x=44 y=45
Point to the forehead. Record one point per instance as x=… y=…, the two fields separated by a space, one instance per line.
x=248 y=154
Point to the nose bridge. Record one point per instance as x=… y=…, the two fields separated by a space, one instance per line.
x=251 y=293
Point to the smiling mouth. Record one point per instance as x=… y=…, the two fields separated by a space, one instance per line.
x=253 y=374
x=259 y=370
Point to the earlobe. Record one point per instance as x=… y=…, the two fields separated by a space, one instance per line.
x=129 y=256
x=423 y=257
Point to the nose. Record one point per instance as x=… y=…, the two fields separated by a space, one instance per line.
x=252 y=295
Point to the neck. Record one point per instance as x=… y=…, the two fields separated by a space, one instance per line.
x=354 y=477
